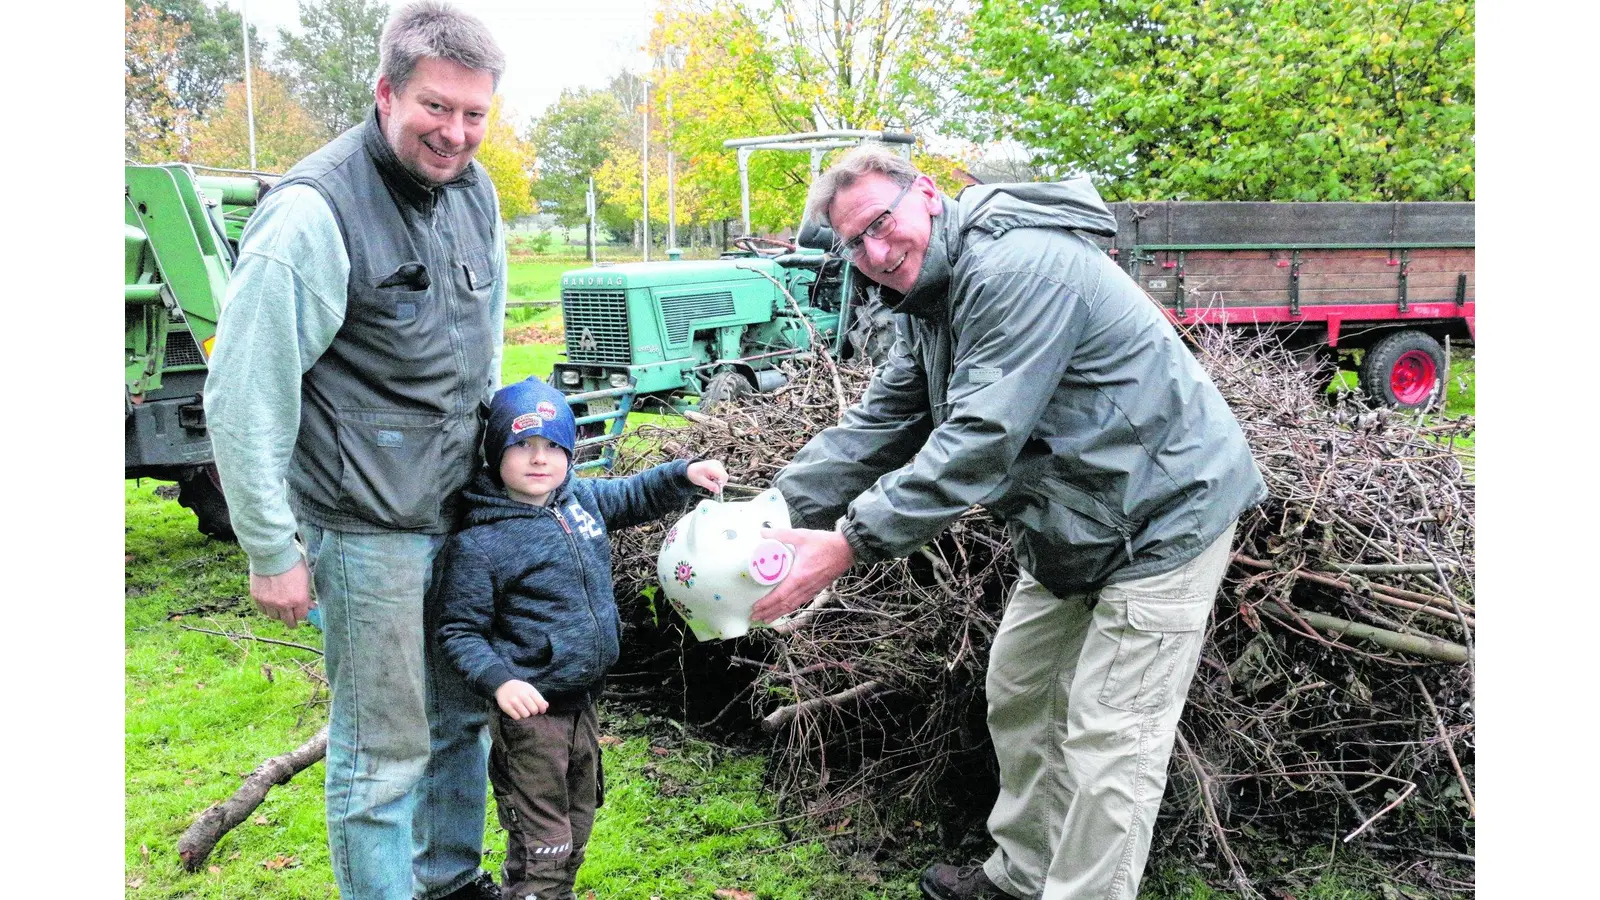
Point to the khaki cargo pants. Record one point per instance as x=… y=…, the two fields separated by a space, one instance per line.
x=547 y=783
x=1083 y=709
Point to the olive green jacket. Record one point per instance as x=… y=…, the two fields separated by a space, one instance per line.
x=1032 y=377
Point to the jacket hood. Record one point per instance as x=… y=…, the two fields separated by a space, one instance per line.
x=998 y=208
x=488 y=502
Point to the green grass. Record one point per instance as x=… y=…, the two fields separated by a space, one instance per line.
x=536 y=279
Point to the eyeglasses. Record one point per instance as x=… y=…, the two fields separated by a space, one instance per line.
x=879 y=228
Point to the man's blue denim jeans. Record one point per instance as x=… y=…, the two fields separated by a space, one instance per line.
x=407 y=738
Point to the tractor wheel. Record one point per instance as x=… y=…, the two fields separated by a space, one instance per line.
x=725 y=387
x=1404 y=370
x=871 y=331
x=200 y=490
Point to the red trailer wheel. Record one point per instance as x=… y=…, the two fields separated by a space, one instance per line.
x=1403 y=370
x=1412 y=377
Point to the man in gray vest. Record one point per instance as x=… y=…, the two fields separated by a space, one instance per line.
x=358 y=343
x=1034 y=378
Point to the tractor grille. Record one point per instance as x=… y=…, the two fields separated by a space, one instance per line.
x=181 y=350
x=680 y=312
x=597 y=326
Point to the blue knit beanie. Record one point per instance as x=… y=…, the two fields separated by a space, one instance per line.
x=525 y=409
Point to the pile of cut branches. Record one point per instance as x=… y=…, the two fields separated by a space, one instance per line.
x=1334 y=697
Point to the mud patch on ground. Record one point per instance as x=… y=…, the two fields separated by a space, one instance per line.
x=536 y=334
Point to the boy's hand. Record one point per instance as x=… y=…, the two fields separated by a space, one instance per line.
x=519 y=699
x=709 y=474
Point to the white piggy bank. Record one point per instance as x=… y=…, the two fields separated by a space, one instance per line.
x=714 y=564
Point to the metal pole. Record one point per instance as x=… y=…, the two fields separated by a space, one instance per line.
x=744 y=186
x=672 y=208
x=589 y=202
x=645 y=165
x=249 y=99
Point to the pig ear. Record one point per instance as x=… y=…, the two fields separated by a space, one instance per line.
x=772 y=508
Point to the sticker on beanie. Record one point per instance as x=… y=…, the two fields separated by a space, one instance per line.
x=527 y=420
x=547 y=410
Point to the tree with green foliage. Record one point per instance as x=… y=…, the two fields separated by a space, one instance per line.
x=285 y=132
x=209 y=56
x=570 y=140
x=332 y=65
x=155 y=122
x=1241 y=100
x=741 y=68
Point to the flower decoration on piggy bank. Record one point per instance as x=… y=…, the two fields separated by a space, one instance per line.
x=715 y=565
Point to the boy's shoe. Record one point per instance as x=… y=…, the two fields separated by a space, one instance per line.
x=945 y=882
x=480 y=888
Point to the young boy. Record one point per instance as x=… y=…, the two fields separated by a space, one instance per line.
x=530 y=620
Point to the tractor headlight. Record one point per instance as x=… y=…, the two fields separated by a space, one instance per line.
x=570 y=377
x=619 y=380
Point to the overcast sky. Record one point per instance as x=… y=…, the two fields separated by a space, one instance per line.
x=549 y=44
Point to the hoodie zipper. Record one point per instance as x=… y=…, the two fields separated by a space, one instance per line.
x=583 y=575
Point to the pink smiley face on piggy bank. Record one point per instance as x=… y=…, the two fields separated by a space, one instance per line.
x=715 y=565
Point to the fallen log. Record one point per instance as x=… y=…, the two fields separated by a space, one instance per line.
x=1432 y=648
x=197 y=842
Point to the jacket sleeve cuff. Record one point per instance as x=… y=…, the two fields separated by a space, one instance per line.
x=857 y=541
x=489 y=680
x=277 y=562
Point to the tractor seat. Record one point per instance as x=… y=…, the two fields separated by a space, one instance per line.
x=815 y=237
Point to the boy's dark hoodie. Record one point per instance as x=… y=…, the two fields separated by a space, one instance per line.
x=526 y=590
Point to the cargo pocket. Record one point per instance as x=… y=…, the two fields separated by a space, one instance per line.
x=1158 y=637
x=390 y=466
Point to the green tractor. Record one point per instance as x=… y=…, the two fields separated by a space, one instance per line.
x=681 y=335
x=180 y=243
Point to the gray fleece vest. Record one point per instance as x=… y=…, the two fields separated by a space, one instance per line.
x=391 y=414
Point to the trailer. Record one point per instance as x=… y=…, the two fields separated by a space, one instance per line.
x=1380 y=288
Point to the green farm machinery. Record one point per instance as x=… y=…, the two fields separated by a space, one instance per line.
x=180 y=237
x=680 y=335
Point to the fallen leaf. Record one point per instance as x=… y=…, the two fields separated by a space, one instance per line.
x=199 y=685
x=144 y=853
x=135 y=883
x=281 y=861
x=188 y=782
x=261 y=820
x=177 y=670
x=235 y=855
x=215 y=870
x=610 y=740
x=660 y=751
x=127 y=558
x=734 y=894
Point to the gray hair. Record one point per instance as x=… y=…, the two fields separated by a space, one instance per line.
x=867 y=159
x=432 y=28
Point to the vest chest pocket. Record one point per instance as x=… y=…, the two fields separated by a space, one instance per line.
x=475 y=273
x=392 y=296
x=389 y=466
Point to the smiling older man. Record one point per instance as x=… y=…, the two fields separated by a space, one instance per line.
x=1032 y=377
x=359 y=340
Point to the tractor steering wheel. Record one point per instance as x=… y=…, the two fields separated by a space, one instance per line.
x=764 y=246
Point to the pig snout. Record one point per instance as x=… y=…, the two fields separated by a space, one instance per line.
x=770 y=561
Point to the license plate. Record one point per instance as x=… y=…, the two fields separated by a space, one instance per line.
x=602 y=405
